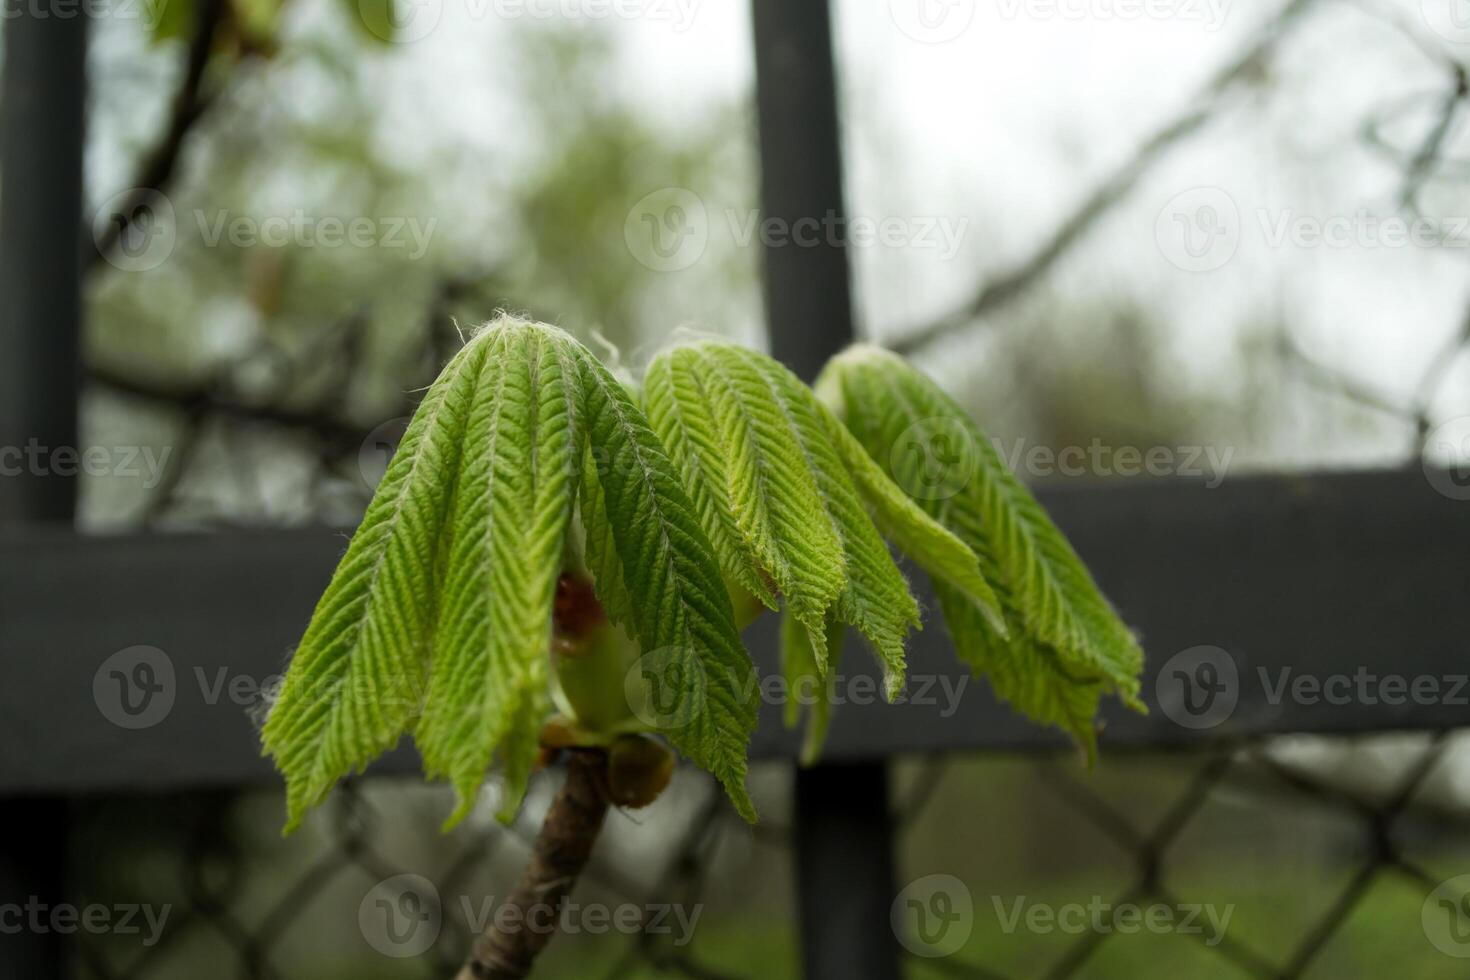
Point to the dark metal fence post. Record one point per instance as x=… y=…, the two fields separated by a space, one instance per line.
x=41 y=125
x=843 y=834
x=41 y=109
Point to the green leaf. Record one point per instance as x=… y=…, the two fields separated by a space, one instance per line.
x=805 y=678
x=171 y=19
x=356 y=681
x=757 y=443
x=502 y=557
x=1068 y=646
x=680 y=411
x=378 y=20
x=933 y=546
x=875 y=599
x=601 y=551
x=1030 y=675
x=762 y=507
x=679 y=605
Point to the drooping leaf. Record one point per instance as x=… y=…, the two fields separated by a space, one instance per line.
x=502 y=557
x=933 y=546
x=601 y=552
x=1068 y=646
x=779 y=494
x=807 y=684
x=875 y=599
x=761 y=504
x=679 y=607
x=356 y=681
x=680 y=410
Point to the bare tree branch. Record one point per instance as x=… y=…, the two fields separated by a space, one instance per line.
x=1243 y=69
x=190 y=101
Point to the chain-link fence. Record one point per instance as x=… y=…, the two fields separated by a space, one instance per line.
x=1276 y=858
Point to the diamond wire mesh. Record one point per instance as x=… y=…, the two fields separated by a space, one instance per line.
x=299 y=921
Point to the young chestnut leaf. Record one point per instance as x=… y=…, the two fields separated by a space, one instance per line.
x=356 y=681
x=785 y=492
x=501 y=554
x=437 y=622
x=678 y=605
x=1067 y=647
x=806 y=683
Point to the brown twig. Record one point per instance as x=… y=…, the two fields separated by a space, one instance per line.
x=516 y=935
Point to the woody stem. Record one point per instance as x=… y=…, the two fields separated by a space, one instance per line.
x=520 y=931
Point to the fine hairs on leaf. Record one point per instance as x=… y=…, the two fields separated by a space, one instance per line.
x=437 y=622
x=786 y=500
x=1066 y=646
x=720 y=487
x=679 y=608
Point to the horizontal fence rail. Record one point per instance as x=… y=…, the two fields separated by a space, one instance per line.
x=1331 y=603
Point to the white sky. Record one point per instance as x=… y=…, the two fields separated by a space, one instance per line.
x=1001 y=128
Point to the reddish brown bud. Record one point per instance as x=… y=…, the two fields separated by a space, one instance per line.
x=576 y=612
